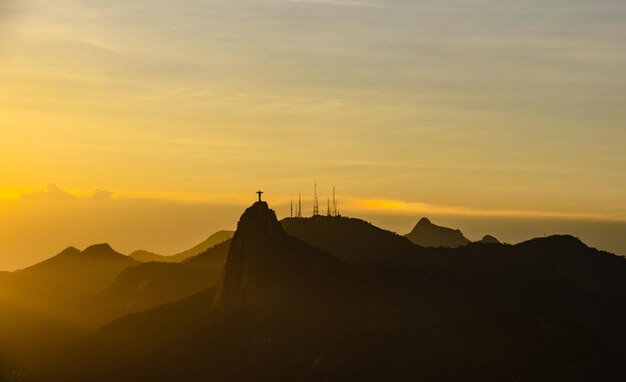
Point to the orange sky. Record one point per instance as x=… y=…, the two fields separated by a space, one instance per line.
x=490 y=110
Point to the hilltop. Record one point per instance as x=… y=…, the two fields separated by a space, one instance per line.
x=213 y=240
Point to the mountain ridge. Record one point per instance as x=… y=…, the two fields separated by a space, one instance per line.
x=528 y=311
x=213 y=240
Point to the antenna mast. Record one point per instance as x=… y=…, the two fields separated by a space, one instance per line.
x=299 y=212
x=327 y=206
x=334 y=203
x=316 y=205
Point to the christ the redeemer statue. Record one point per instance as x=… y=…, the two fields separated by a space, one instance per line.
x=260 y=193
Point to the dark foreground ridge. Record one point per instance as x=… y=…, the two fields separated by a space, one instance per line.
x=545 y=310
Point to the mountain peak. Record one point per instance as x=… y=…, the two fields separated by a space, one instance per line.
x=428 y=234
x=260 y=222
x=488 y=239
x=70 y=251
x=266 y=264
x=424 y=221
x=98 y=249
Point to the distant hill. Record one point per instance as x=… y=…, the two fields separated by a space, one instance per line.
x=213 y=258
x=428 y=234
x=147 y=256
x=63 y=286
x=90 y=270
x=353 y=241
x=30 y=337
x=213 y=240
x=149 y=285
x=544 y=310
x=488 y=239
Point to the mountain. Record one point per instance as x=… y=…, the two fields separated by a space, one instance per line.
x=147 y=256
x=543 y=310
x=266 y=265
x=428 y=234
x=351 y=240
x=211 y=241
x=213 y=258
x=90 y=270
x=64 y=286
x=28 y=338
x=148 y=285
x=488 y=239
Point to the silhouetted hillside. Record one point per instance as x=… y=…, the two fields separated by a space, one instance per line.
x=28 y=338
x=544 y=310
x=148 y=285
x=213 y=258
x=354 y=241
x=428 y=234
x=488 y=239
x=267 y=266
x=147 y=256
x=213 y=240
x=64 y=285
x=90 y=270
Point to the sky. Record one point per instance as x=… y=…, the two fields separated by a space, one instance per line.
x=493 y=116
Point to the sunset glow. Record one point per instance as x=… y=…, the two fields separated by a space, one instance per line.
x=483 y=110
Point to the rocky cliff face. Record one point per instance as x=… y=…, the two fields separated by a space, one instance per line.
x=266 y=265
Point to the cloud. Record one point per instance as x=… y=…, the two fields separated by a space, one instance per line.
x=53 y=194
x=40 y=224
x=348 y=3
x=7 y=8
x=416 y=208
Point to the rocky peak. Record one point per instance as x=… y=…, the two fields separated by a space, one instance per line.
x=98 y=249
x=424 y=221
x=265 y=264
x=258 y=225
x=428 y=234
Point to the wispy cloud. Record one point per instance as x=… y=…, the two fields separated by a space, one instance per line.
x=375 y=4
x=424 y=209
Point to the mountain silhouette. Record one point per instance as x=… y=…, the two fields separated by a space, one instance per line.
x=542 y=310
x=148 y=285
x=266 y=264
x=351 y=240
x=213 y=258
x=90 y=270
x=428 y=234
x=216 y=238
x=147 y=256
x=27 y=337
x=488 y=239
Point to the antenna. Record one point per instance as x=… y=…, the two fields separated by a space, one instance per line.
x=316 y=205
x=334 y=203
x=327 y=206
x=299 y=213
x=291 y=209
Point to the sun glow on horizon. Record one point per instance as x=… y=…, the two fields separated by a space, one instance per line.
x=412 y=108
